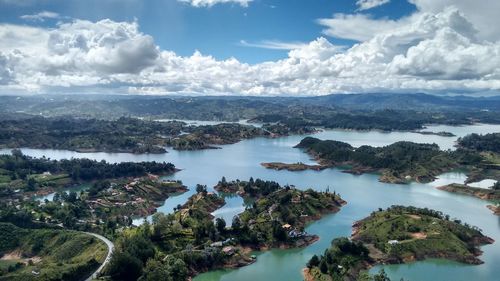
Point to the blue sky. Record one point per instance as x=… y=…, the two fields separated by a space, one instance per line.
x=249 y=47
x=216 y=30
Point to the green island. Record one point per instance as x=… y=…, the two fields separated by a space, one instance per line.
x=207 y=137
x=397 y=235
x=485 y=148
x=188 y=242
x=251 y=188
x=400 y=162
x=492 y=194
x=441 y=134
x=299 y=166
x=48 y=254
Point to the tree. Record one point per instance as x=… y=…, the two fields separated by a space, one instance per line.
x=201 y=188
x=496 y=186
x=381 y=276
x=17 y=153
x=31 y=184
x=279 y=233
x=314 y=261
x=177 y=268
x=236 y=224
x=124 y=267
x=139 y=247
x=323 y=266
x=154 y=271
x=220 y=224
x=72 y=197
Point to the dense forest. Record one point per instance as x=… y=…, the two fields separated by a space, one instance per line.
x=80 y=169
x=122 y=135
x=129 y=134
x=420 y=162
x=188 y=242
x=18 y=171
x=202 y=137
x=487 y=142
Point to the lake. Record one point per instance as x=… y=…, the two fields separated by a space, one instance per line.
x=364 y=194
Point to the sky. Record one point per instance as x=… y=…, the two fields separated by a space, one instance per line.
x=249 y=47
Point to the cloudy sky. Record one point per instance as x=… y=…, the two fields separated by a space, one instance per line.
x=249 y=47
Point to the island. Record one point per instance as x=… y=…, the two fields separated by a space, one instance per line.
x=400 y=162
x=188 y=242
x=483 y=157
x=299 y=166
x=209 y=136
x=48 y=254
x=492 y=194
x=441 y=134
x=397 y=235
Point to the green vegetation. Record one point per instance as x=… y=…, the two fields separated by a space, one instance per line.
x=398 y=162
x=251 y=188
x=128 y=134
x=48 y=254
x=292 y=167
x=396 y=235
x=362 y=111
x=203 y=137
x=481 y=193
x=88 y=135
x=488 y=142
x=188 y=241
x=23 y=173
x=342 y=261
x=102 y=208
x=278 y=219
x=402 y=234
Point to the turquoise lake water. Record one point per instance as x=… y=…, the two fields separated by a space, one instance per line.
x=364 y=194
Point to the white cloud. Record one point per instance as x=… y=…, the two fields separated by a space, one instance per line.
x=273 y=44
x=41 y=16
x=370 y=4
x=482 y=14
x=427 y=51
x=210 y=3
x=357 y=27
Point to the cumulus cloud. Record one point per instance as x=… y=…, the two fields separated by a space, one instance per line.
x=427 y=51
x=370 y=4
x=210 y=3
x=482 y=14
x=41 y=16
x=359 y=27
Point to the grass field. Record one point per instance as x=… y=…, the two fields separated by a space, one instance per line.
x=53 y=254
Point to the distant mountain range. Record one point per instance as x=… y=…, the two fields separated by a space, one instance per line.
x=233 y=107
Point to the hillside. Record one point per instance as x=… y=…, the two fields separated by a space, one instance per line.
x=47 y=254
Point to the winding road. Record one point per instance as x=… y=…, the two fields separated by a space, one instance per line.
x=111 y=247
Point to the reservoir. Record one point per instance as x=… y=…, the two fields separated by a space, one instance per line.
x=363 y=193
